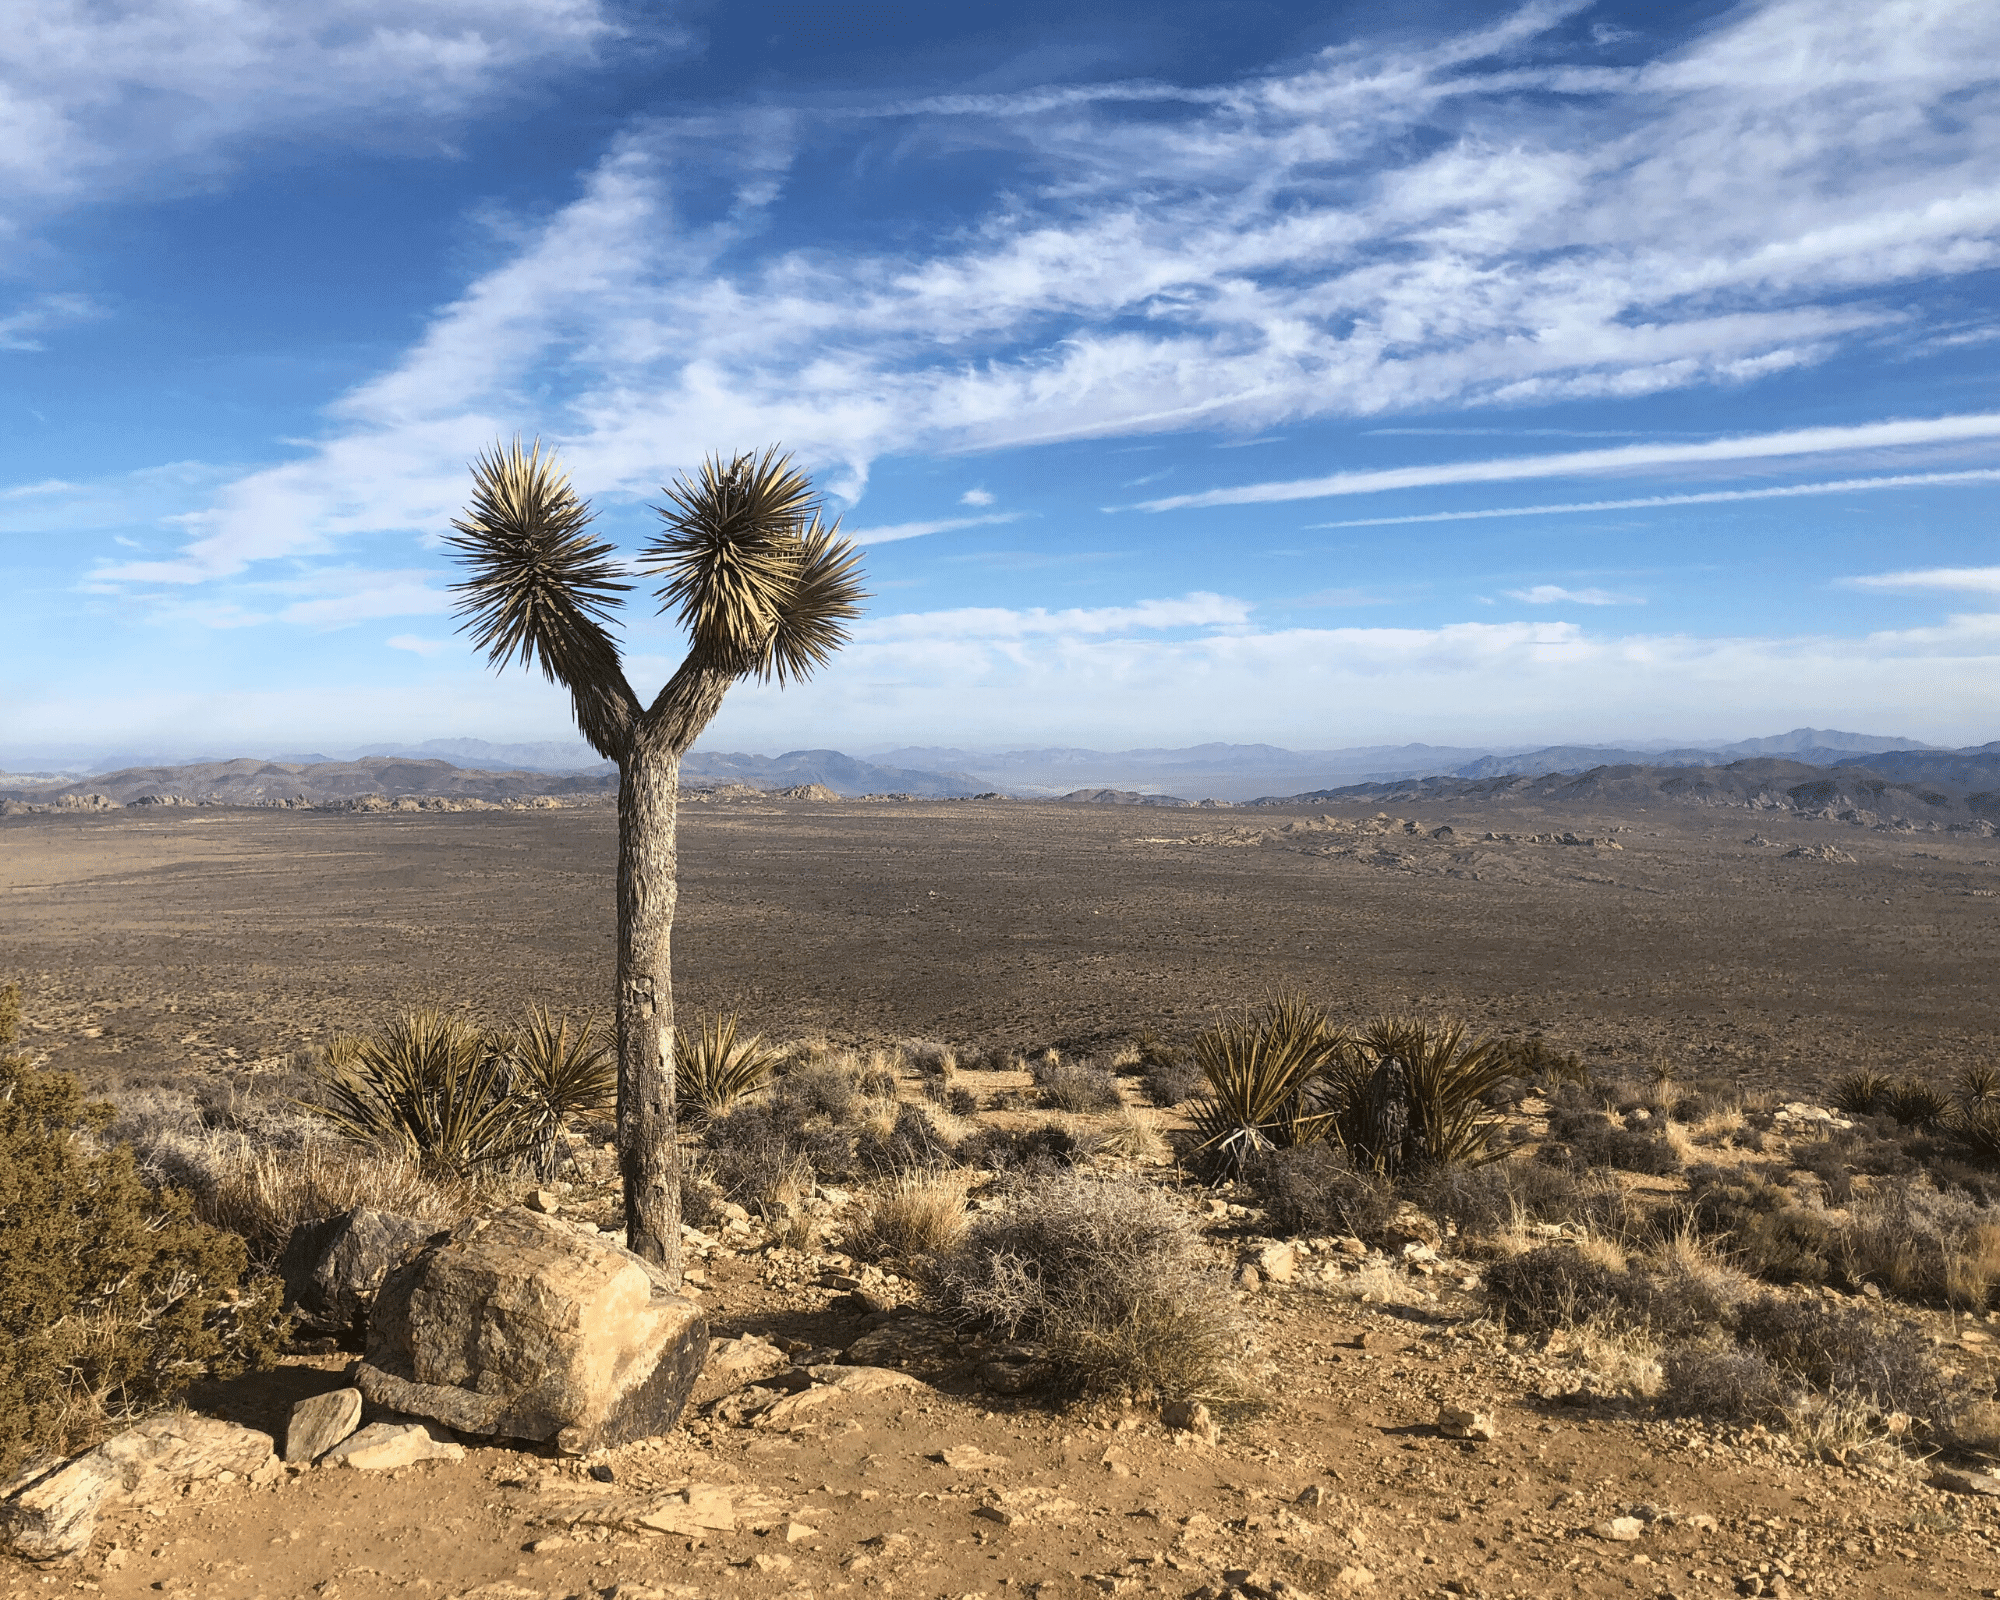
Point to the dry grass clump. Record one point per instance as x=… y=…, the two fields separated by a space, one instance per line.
x=263 y=1194
x=915 y=1216
x=1080 y=1086
x=1129 y=1134
x=1923 y=1243
x=1112 y=1281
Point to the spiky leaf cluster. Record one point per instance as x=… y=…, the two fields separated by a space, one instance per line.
x=542 y=590
x=758 y=581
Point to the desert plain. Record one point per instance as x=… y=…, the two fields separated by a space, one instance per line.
x=209 y=944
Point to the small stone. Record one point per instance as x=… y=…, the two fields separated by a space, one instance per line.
x=1278 y=1262
x=1353 y=1578
x=320 y=1422
x=1191 y=1417
x=1248 y=1279
x=795 y=1531
x=545 y=1201
x=764 y=1561
x=1620 y=1529
x=1459 y=1422
x=1976 y=1483
x=383 y=1445
x=968 y=1458
x=1000 y=1514
x=601 y=1473
x=1312 y=1496
x=547 y=1543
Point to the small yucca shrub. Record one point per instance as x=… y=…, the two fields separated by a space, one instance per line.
x=431 y=1085
x=1261 y=1071
x=1410 y=1095
x=1916 y=1104
x=554 y=1075
x=715 y=1068
x=1860 y=1094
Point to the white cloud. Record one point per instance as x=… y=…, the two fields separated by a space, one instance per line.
x=1709 y=497
x=1975 y=580
x=976 y=497
x=19 y=328
x=1756 y=448
x=95 y=98
x=994 y=622
x=1388 y=227
x=1550 y=594
x=889 y=533
x=422 y=647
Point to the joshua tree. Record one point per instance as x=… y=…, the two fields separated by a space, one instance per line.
x=763 y=589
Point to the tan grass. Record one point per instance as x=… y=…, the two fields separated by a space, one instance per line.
x=264 y=1194
x=1972 y=1271
x=918 y=1214
x=1131 y=1134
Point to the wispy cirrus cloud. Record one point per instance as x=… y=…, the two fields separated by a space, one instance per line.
x=995 y=622
x=95 y=99
x=891 y=532
x=1969 y=580
x=1389 y=227
x=1550 y=594
x=1706 y=497
x=1788 y=444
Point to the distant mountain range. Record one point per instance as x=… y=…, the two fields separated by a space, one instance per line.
x=1222 y=772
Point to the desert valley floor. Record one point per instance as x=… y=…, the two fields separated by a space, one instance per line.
x=166 y=946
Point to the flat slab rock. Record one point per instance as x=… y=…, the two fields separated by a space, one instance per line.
x=382 y=1445
x=56 y=1514
x=516 y=1326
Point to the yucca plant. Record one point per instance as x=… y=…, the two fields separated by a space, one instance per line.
x=552 y=1076
x=1410 y=1096
x=763 y=588
x=714 y=1068
x=1979 y=1084
x=1916 y=1104
x=1861 y=1094
x=430 y=1085
x=1261 y=1069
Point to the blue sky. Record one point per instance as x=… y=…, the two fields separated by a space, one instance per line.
x=1485 y=375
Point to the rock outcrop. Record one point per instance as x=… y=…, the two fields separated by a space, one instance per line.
x=517 y=1326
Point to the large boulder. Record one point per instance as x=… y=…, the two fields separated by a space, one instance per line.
x=517 y=1326
x=333 y=1268
x=56 y=1514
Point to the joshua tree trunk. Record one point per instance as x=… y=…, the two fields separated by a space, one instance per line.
x=648 y=1154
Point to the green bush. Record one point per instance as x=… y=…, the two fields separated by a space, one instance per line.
x=1409 y=1096
x=113 y=1298
x=1262 y=1071
x=715 y=1069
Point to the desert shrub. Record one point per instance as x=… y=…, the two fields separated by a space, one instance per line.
x=1109 y=1277
x=1979 y=1084
x=962 y=1103
x=915 y=1139
x=1535 y=1059
x=1763 y=1225
x=877 y=1083
x=1596 y=1141
x=1262 y=1070
x=113 y=1296
x=916 y=1215
x=1916 y=1104
x=1845 y=1350
x=756 y=1151
x=1168 y=1083
x=715 y=1068
x=1922 y=1243
x=826 y=1089
x=553 y=1076
x=1316 y=1190
x=1076 y=1086
x=1407 y=1096
x=702 y=1196
x=1977 y=1133
x=1827 y=1161
x=931 y=1059
x=1021 y=1152
x=1556 y=1286
x=1487 y=1199
x=1723 y=1380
